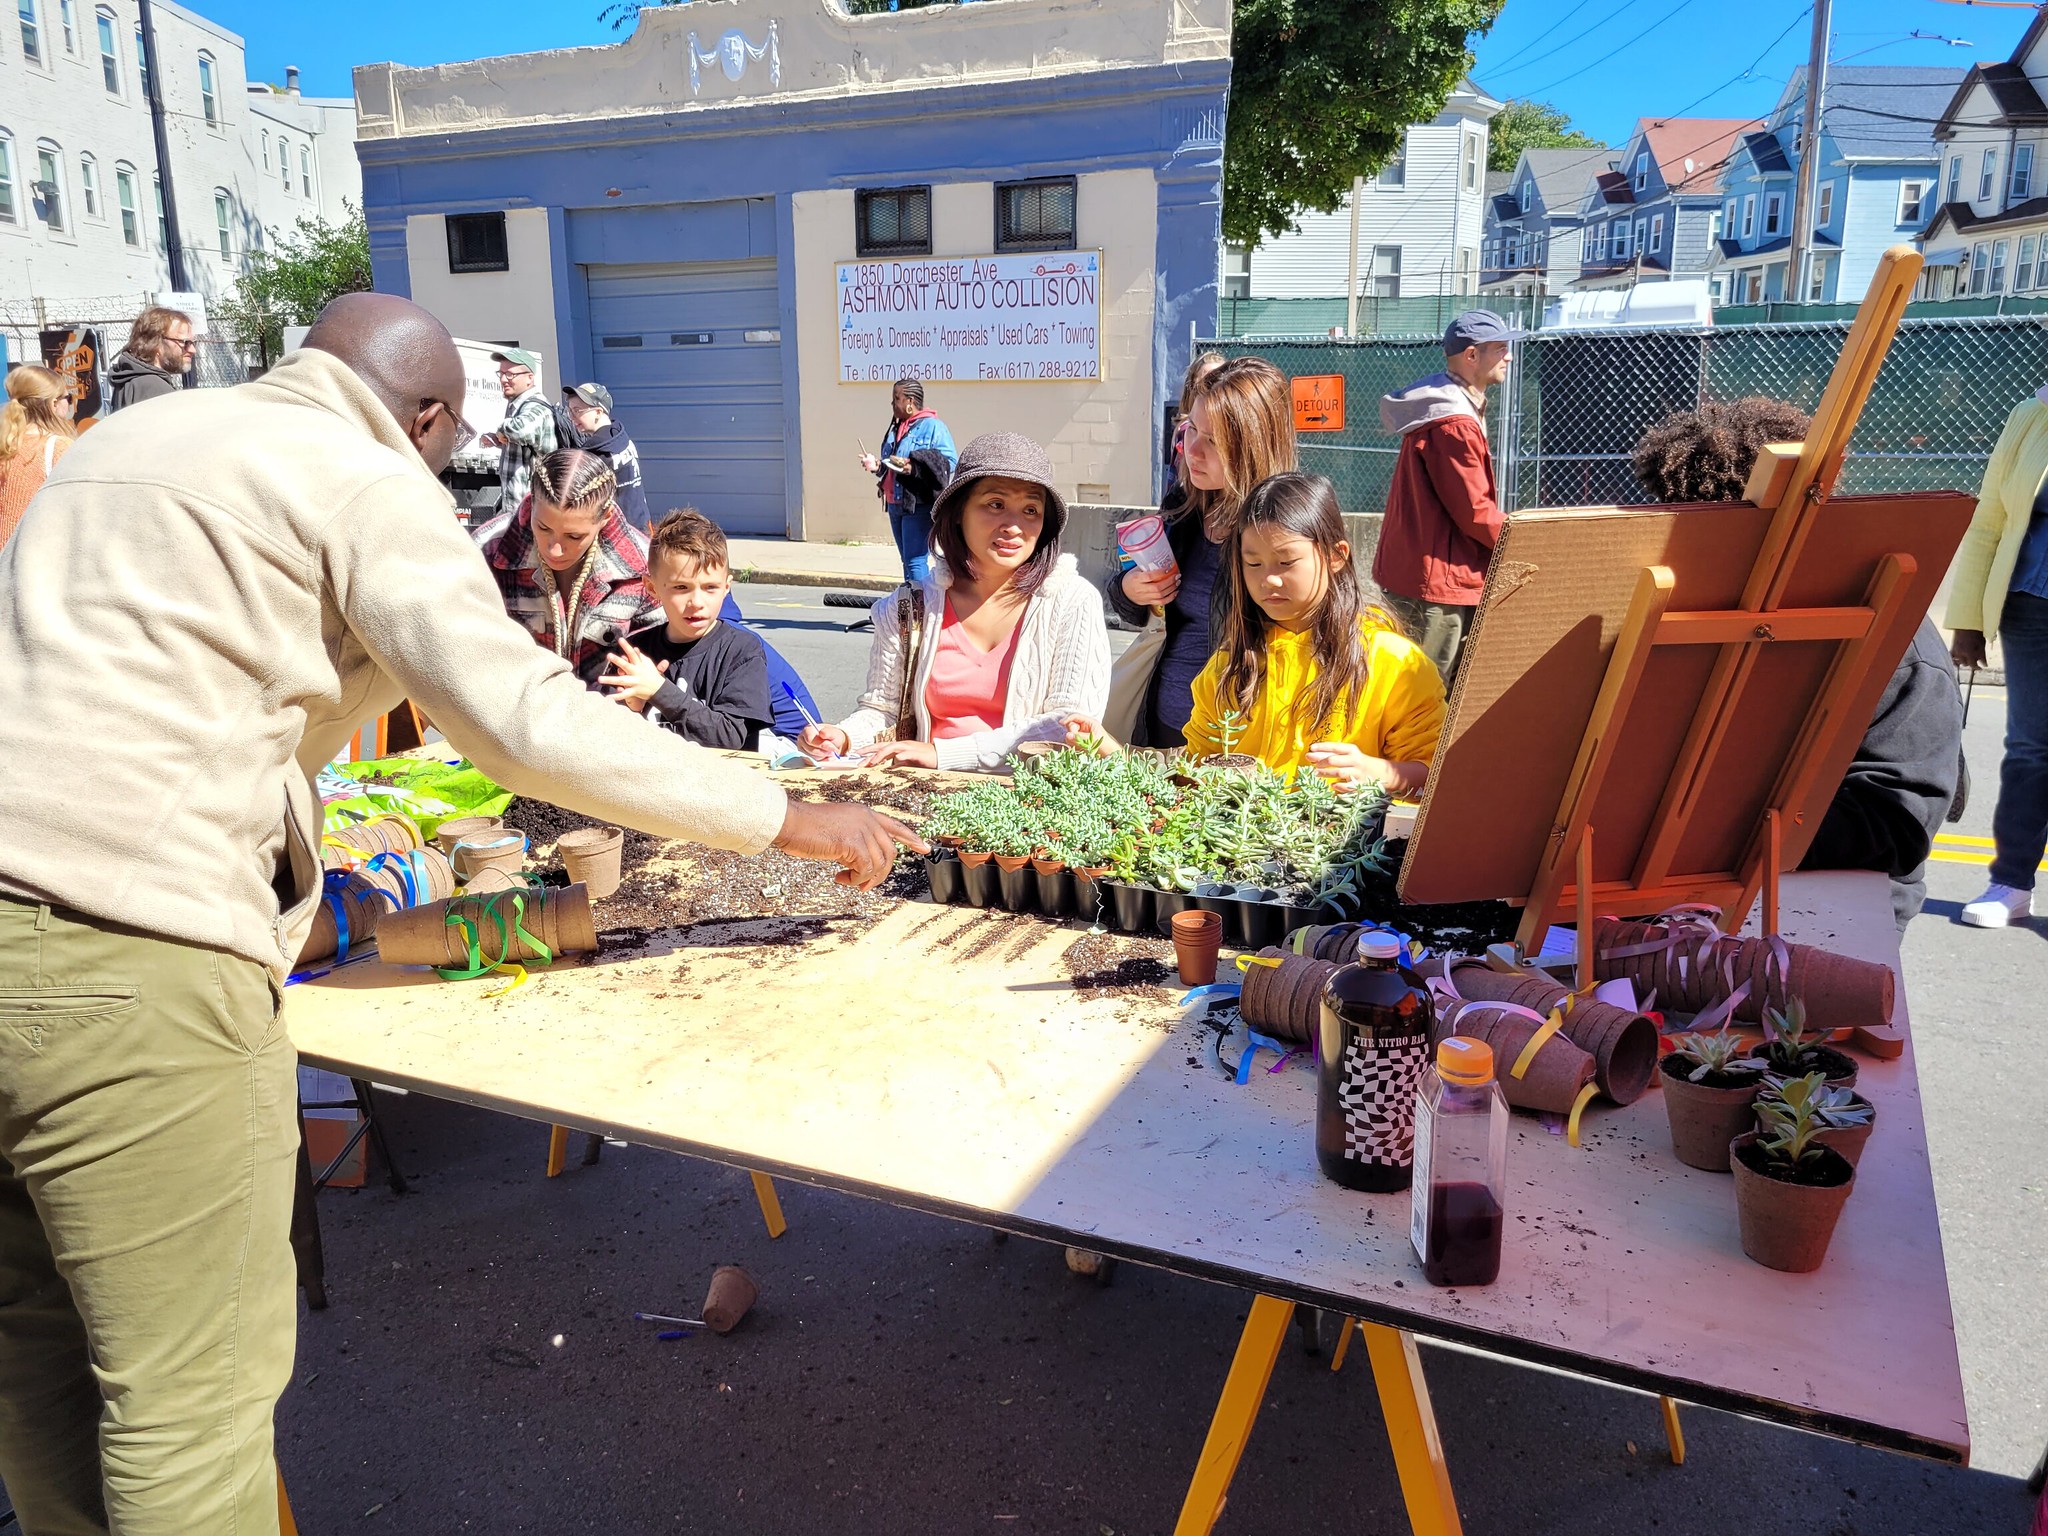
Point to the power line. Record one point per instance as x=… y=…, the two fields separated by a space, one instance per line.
x=1537 y=58
x=1744 y=75
x=1610 y=53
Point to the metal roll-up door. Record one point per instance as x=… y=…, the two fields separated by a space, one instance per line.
x=692 y=354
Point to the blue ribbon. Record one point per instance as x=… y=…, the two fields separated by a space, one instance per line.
x=1255 y=1043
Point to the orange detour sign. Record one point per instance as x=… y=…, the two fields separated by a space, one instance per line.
x=1318 y=402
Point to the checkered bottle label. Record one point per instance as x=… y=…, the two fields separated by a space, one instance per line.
x=1378 y=1095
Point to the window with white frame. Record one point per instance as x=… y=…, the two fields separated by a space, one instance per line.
x=110 y=51
x=1523 y=201
x=1728 y=218
x=1753 y=286
x=67 y=20
x=1641 y=248
x=1748 y=215
x=223 y=223
x=49 y=188
x=1999 y=250
x=209 y=100
x=1237 y=272
x=1955 y=180
x=31 y=32
x=142 y=60
x=1656 y=233
x=264 y=140
x=1987 y=177
x=284 y=162
x=2021 y=185
x=1912 y=202
x=1980 y=266
x=89 y=185
x=124 y=199
x=10 y=210
x=1468 y=259
x=163 y=224
x=1817 y=279
x=1384 y=276
x=1824 y=214
x=1395 y=172
x=1621 y=245
x=1471 y=153
x=1774 y=213
x=1642 y=177
x=2023 y=271
x=306 y=170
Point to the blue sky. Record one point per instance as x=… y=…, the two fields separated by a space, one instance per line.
x=1666 y=54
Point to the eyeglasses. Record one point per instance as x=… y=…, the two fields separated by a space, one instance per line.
x=465 y=434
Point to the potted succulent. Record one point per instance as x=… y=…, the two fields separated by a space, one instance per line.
x=1710 y=1083
x=1793 y=1050
x=1790 y=1186
x=1846 y=1117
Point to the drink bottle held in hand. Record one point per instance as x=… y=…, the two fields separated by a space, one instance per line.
x=1461 y=1155
x=1373 y=1046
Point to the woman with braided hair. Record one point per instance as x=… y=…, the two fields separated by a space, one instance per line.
x=570 y=567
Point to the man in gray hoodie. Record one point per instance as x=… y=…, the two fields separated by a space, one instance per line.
x=227 y=584
x=1443 y=510
x=153 y=364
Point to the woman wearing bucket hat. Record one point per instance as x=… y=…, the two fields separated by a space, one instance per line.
x=998 y=645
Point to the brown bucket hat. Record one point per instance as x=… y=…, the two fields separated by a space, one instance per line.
x=1012 y=456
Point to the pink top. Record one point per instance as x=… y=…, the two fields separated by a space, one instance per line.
x=968 y=687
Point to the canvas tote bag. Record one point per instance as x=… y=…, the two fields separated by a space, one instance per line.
x=1132 y=676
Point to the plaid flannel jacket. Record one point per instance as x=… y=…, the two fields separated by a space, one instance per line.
x=529 y=434
x=614 y=598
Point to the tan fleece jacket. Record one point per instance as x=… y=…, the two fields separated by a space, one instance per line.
x=212 y=595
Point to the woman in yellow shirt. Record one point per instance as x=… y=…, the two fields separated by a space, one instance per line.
x=1304 y=672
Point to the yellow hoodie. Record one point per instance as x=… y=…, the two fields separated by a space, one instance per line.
x=1397 y=715
x=2005 y=505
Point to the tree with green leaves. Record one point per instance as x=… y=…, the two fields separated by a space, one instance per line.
x=290 y=283
x=1524 y=125
x=1319 y=94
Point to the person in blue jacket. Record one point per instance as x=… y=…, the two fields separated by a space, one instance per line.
x=915 y=463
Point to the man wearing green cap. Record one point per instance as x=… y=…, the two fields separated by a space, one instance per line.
x=528 y=431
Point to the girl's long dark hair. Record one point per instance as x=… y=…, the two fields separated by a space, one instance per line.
x=1304 y=505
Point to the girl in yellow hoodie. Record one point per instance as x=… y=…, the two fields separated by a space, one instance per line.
x=1304 y=672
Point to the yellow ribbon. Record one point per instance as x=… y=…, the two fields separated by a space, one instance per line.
x=1571 y=1124
x=1538 y=1040
x=1246 y=962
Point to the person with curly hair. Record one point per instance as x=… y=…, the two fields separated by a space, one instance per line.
x=1902 y=783
x=1705 y=455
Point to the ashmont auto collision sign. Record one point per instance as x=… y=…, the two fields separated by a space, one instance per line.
x=971 y=319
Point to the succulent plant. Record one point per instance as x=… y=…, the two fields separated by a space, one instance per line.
x=1786 y=1036
x=1836 y=1108
x=1721 y=1051
x=1791 y=1117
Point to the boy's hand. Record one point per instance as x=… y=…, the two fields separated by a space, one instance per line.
x=634 y=679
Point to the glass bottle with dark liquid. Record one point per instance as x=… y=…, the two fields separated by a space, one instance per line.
x=1373 y=1045
x=1461 y=1154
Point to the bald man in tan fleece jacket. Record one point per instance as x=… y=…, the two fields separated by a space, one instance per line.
x=199 y=608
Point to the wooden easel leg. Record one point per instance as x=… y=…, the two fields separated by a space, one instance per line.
x=1585 y=880
x=771 y=1205
x=558 y=1150
x=286 y=1525
x=1411 y=1426
x=1265 y=1330
x=1774 y=842
x=1343 y=1344
x=1674 y=1437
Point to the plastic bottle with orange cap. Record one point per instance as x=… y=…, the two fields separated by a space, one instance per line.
x=1461 y=1153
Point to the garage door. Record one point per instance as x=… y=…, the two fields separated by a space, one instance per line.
x=693 y=357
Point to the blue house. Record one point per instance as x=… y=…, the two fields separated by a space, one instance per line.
x=1654 y=216
x=1874 y=186
x=1535 y=220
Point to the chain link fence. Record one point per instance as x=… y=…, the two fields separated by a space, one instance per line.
x=217 y=361
x=1576 y=403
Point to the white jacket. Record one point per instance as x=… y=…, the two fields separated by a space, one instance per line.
x=213 y=594
x=1060 y=668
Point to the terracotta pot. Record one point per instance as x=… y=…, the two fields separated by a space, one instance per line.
x=1705 y=1120
x=449 y=833
x=1197 y=936
x=733 y=1292
x=505 y=849
x=1787 y=1226
x=591 y=856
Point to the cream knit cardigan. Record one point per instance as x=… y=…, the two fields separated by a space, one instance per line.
x=1060 y=668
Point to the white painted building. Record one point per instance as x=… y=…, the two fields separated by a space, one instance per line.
x=1989 y=232
x=82 y=236
x=1421 y=221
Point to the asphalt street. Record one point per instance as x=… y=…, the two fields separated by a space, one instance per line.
x=480 y=1368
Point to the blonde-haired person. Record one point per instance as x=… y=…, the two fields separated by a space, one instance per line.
x=1237 y=429
x=568 y=564
x=35 y=429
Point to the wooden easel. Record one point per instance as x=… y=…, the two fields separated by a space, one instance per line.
x=1793 y=479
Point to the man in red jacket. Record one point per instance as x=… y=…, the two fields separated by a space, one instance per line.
x=1443 y=513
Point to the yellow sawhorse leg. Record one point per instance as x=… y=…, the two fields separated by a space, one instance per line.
x=1243 y=1390
x=1674 y=1437
x=285 y=1524
x=771 y=1205
x=558 y=1150
x=1411 y=1426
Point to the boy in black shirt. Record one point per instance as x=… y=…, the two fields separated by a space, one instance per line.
x=693 y=675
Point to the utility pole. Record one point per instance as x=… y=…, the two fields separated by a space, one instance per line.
x=1799 y=253
x=175 y=247
x=1351 y=281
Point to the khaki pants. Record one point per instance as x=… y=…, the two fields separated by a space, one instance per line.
x=1438 y=628
x=148 y=1140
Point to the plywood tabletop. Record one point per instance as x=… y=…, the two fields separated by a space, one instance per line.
x=941 y=1059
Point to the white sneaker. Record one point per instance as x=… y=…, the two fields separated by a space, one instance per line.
x=1998 y=907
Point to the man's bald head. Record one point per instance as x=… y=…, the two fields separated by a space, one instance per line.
x=400 y=351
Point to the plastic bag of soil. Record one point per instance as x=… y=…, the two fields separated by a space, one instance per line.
x=427 y=791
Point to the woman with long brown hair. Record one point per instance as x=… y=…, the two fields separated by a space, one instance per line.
x=35 y=430
x=1237 y=430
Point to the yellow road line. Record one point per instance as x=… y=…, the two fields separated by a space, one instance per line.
x=1956 y=839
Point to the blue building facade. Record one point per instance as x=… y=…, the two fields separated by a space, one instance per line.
x=1654 y=216
x=746 y=235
